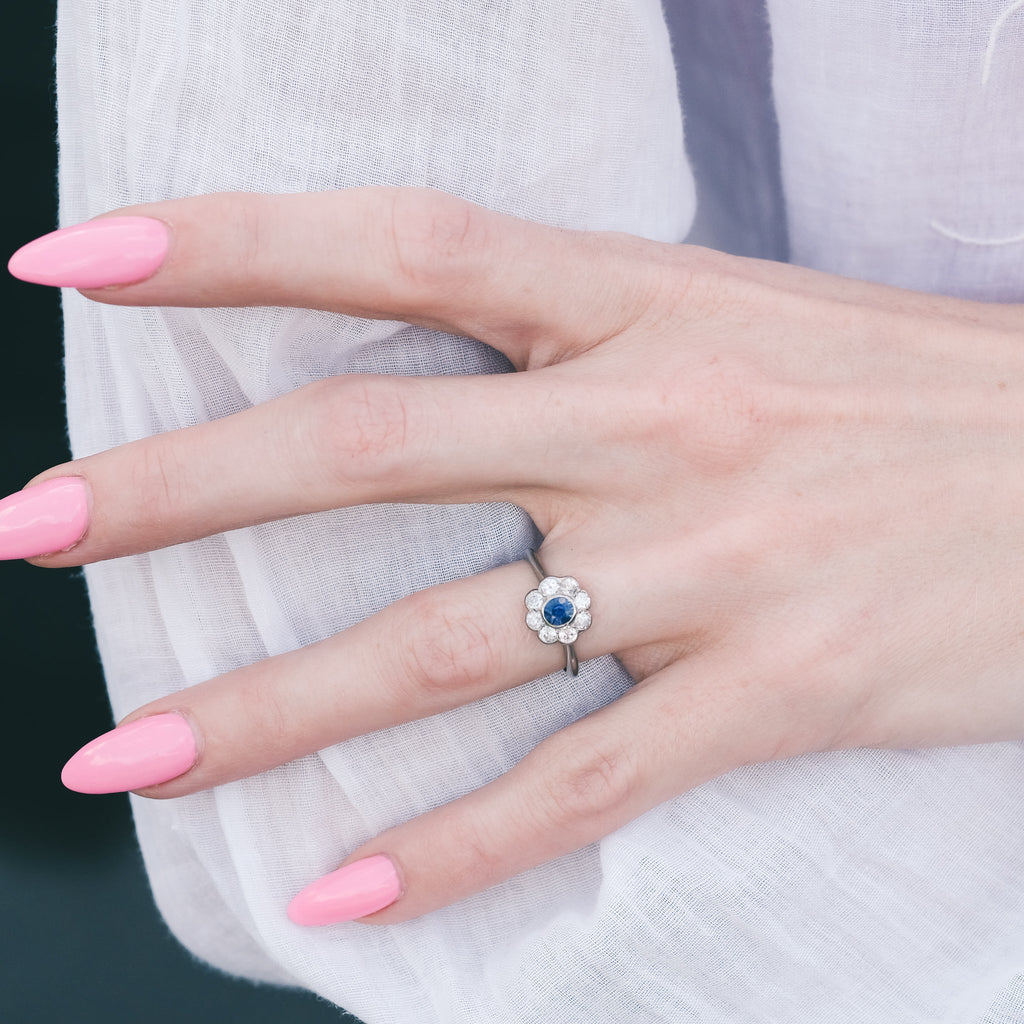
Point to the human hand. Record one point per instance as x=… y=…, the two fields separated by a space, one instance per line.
x=794 y=498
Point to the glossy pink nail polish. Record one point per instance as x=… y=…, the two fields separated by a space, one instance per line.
x=45 y=518
x=111 y=250
x=143 y=753
x=360 y=888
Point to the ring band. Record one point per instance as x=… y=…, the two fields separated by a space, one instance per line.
x=557 y=611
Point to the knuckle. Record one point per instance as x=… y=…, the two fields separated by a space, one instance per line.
x=444 y=649
x=729 y=414
x=695 y=283
x=244 y=211
x=723 y=410
x=361 y=426
x=477 y=859
x=741 y=547
x=435 y=239
x=160 y=476
x=591 y=780
x=268 y=708
x=826 y=681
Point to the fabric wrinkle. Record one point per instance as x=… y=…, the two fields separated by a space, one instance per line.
x=862 y=887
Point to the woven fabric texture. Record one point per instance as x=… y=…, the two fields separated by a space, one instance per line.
x=862 y=887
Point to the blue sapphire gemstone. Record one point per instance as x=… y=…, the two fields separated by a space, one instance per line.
x=559 y=611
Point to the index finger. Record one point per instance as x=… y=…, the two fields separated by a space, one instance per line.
x=416 y=255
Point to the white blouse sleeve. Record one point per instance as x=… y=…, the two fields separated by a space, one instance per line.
x=869 y=886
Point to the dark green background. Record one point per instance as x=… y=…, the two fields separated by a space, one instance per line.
x=82 y=941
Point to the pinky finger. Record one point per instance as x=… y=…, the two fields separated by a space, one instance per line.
x=676 y=730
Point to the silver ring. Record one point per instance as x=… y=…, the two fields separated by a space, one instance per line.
x=558 y=611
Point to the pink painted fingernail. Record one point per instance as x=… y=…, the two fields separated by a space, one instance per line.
x=45 y=518
x=143 y=753
x=111 y=250
x=360 y=888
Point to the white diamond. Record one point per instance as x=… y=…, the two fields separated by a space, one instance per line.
x=567 y=635
x=570 y=585
x=548 y=586
x=534 y=599
x=582 y=600
x=534 y=619
x=548 y=635
x=582 y=621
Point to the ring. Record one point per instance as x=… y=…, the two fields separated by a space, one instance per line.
x=557 y=611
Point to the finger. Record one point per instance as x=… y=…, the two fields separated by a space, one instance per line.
x=680 y=728
x=336 y=443
x=432 y=651
x=388 y=253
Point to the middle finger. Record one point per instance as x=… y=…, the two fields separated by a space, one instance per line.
x=337 y=443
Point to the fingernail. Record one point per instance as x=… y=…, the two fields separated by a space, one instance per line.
x=360 y=888
x=43 y=519
x=111 y=250
x=143 y=753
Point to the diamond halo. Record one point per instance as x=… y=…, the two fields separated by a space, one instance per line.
x=558 y=610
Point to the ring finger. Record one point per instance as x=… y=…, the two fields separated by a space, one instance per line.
x=432 y=651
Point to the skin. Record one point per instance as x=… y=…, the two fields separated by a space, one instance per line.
x=816 y=482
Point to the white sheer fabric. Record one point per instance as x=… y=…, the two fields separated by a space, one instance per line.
x=859 y=887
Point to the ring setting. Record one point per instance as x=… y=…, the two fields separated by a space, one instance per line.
x=558 y=610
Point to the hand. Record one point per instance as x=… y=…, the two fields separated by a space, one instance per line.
x=795 y=499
